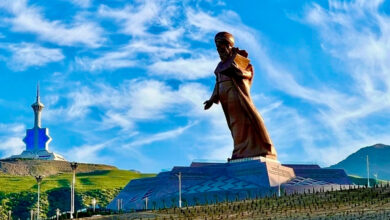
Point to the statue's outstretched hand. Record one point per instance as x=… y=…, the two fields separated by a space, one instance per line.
x=207 y=104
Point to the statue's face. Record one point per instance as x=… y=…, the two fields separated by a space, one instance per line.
x=224 y=50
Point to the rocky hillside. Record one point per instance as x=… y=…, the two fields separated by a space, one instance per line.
x=46 y=168
x=379 y=160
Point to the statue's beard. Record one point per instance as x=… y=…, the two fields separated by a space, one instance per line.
x=224 y=54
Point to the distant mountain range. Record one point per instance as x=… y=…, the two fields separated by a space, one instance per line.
x=379 y=162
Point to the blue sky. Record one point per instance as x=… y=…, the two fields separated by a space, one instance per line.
x=123 y=82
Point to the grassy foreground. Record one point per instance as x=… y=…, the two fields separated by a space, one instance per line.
x=19 y=193
x=362 y=203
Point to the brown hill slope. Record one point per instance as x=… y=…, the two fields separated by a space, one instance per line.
x=46 y=168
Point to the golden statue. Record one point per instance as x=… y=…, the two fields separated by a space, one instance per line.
x=234 y=75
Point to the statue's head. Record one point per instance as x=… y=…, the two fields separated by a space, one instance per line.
x=224 y=42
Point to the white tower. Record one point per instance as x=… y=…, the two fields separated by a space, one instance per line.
x=37 y=138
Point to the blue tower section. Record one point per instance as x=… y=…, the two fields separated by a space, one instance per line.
x=37 y=139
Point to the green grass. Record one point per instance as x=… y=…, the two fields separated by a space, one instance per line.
x=106 y=179
x=358 y=180
x=19 y=193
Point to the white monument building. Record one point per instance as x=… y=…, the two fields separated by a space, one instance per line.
x=37 y=139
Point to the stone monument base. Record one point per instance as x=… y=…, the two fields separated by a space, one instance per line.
x=205 y=183
x=38 y=155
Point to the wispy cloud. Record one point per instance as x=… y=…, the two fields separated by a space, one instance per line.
x=25 y=55
x=108 y=61
x=160 y=53
x=145 y=140
x=137 y=18
x=88 y=154
x=30 y=19
x=356 y=33
x=134 y=100
x=188 y=69
x=127 y=56
x=82 y=3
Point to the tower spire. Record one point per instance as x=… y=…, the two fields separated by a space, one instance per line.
x=38 y=98
x=37 y=107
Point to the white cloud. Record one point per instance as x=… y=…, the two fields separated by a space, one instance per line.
x=145 y=140
x=109 y=61
x=188 y=69
x=357 y=34
x=11 y=146
x=11 y=136
x=11 y=128
x=162 y=49
x=115 y=119
x=126 y=56
x=82 y=3
x=135 y=19
x=30 y=19
x=133 y=100
x=88 y=154
x=25 y=55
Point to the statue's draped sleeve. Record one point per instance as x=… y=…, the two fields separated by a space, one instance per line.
x=214 y=97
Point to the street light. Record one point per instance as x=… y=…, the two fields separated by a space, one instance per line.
x=119 y=204
x=94 y=204
x=58 y=213
x=39 y=180
x=368 y=173
x=376 y=178
x=179 y=176
x=74 y=167
x=278 y=180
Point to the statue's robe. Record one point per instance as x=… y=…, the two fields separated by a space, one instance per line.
x=232 y=89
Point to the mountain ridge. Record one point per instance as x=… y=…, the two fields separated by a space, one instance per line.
x=356 y=163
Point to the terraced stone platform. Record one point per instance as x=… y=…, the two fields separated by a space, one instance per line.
x=205 y=183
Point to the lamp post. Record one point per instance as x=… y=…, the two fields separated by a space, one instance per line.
x=94 y=204
x=368 y=173
x=58 y=213
x=32 y=214
x=39 y=180
x=278 y=180
x=376 y=178
x=179 y=176
x=119 y=204
x=74 y=167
